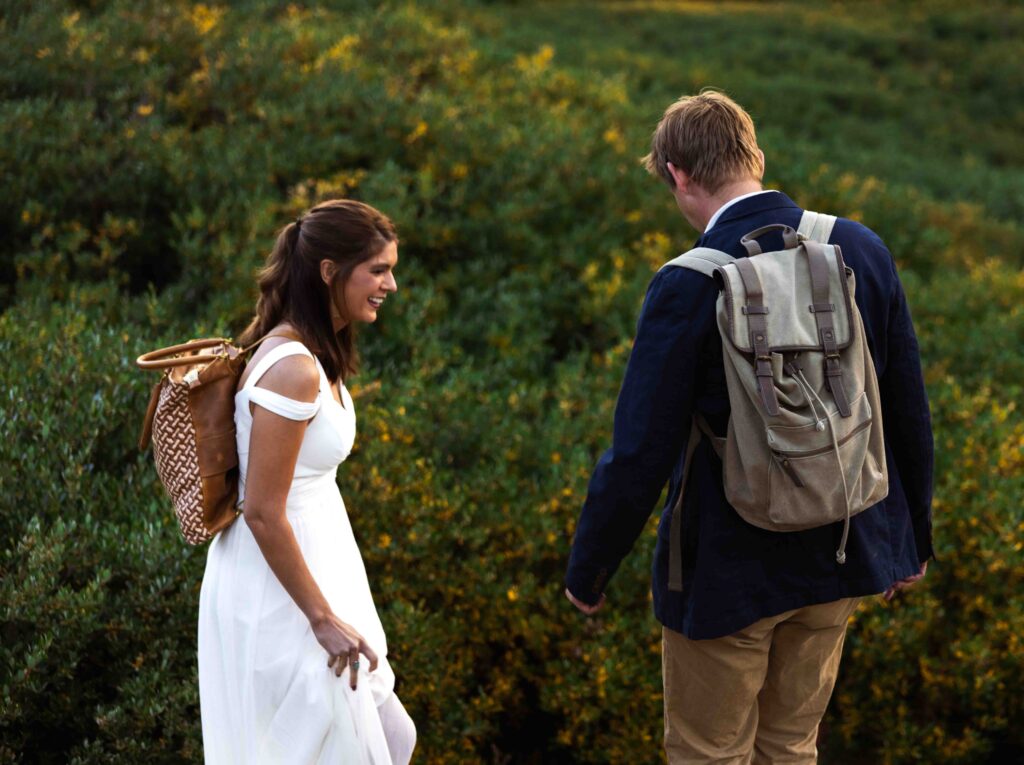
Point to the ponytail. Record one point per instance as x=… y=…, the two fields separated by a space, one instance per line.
x=291 y=289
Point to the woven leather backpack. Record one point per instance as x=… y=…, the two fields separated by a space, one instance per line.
x=191 y=422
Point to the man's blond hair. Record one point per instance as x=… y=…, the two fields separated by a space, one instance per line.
x=708 y=136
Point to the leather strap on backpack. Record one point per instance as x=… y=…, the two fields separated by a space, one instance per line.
x=147 y=420
x=755 y=311
x=706 y=261
x=790 y=239
x=675 y=531
x=168 y=358
x=698 y=427
x=823 y=310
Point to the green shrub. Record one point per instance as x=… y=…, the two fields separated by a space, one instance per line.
x=152 y=148
x=98 y=596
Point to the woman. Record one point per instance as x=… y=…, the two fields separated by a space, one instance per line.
x=287 y=624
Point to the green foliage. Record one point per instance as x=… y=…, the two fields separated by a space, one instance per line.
x=97 y=595
x=149 y=151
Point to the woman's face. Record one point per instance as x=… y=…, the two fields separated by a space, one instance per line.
x=366 y=288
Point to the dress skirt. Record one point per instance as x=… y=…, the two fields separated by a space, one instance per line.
x=267 y=694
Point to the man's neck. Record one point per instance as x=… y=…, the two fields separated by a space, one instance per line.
x=710 y=204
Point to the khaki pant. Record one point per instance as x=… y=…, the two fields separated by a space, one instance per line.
x=756 y=696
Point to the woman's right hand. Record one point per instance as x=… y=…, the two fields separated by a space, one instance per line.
x=343 y=645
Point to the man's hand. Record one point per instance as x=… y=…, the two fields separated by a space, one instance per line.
x=588 y=610
x=904 y=583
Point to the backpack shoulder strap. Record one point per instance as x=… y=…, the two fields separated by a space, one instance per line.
x=702 y=259
x=816 y=226
x=698 y=427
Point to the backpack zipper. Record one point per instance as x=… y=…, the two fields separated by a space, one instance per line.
x=782 y=457
x=788 y=469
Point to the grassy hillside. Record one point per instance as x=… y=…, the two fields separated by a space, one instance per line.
x=150 y=149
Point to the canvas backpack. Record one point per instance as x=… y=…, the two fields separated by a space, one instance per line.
x=804 y=445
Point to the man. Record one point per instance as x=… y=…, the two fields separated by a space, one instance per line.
x=751 y=645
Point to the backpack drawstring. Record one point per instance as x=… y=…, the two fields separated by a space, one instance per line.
x=820 y=425
x=808 y=391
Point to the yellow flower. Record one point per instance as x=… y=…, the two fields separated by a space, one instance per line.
x=342 y=51
x=513 y=593
x=144 y=110
x=614 y=138
x=418 y=132
x=538 y=62
x=204 y=17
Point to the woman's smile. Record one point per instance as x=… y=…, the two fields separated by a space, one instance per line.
x=369 y=285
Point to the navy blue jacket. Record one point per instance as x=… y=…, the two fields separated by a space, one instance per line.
x=735 y=573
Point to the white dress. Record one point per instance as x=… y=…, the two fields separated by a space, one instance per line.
x=266 y=692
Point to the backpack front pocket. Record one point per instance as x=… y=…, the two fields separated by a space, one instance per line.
x=805 y=485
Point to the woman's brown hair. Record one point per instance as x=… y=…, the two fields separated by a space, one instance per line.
x=343 y=231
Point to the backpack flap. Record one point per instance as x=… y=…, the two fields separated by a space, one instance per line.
x=800 y=308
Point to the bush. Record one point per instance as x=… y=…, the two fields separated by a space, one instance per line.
x=142 y=196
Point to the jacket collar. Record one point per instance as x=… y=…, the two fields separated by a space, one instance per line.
x=759 y=203
x=774 y=200
x=734 y=201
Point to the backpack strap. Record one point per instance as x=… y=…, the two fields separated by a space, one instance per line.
x=698 y=427
x=675 y=532
x=823 y=310
x=702 y=259
x=707 y=261
x=816 y=226
x=755 y=311
x=275 y=402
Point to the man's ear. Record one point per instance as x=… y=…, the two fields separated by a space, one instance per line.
x=679 y=177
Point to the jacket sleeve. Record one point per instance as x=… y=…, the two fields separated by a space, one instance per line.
x=652 y=419
x=907 y=419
